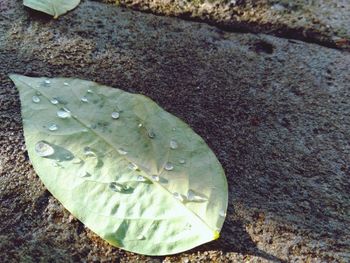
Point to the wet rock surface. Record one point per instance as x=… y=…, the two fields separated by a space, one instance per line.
x=326 y=22
x=275 y=111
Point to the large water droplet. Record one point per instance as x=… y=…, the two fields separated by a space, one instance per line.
x=122 y=151
x=132 y=166
x=35 y=99
x=140 y=178
x=43 y=149
x=178 y=196
x=155 y=178
x=193 y=197
x=169 y=166
x=222 y=213
x=173 y=144
x=54 y=101
x=115 y=115
x=63 y=113
x=84 y=99
x=53 y=127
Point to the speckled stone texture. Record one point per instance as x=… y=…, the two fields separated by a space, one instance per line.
x=326 y=22
x=275 y=111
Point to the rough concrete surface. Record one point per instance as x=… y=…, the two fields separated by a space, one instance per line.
x=275 y=111
x=326 y=22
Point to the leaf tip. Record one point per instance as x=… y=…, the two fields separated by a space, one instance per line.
x=216 y=234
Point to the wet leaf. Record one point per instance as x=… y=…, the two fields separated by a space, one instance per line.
x=52 y=7
x=133 y=173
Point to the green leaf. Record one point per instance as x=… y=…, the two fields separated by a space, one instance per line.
x=52 y=7
x=133 y=173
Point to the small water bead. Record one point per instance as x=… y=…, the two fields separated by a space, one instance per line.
x=117 y=187
x=141 y=237
x=77 y=161
x=192 y=196
x=57 y=164
x=169 y=166
x=46 y=83
x=65 y=83
x=84 y=99
x=115 y=115
x=43 y=149
x=182 y=161
x=54 y=101
x=140 y=178
x=89 y=152
x=174 y=129
x=64 y=113
x=178 y=196
x=222 y=213
x=53 y=127
x=121 y=151
x=155 y=178
x=132 y=166
x=89 y=91
x=84 y=174
x=140 y=125
x=151 y=134
x=35 y=99
x=38 y=93
x=173 y=144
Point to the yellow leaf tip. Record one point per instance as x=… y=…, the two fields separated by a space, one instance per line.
x=216 y=234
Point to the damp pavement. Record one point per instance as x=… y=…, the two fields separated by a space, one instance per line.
x=275 y=111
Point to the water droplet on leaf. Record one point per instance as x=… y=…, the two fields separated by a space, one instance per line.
x=132 y=166
x=47 y=82
x=178 y=196
x=44 y=149
x=173 y=144
x=53 y=127
x=182 y=161
x=155 y=178
x=38 y=93
x=89 y=152
x=35 y=99
x=151 y=134
x=54 y=101
x=89 y=91
x=140 y=178
x=65 y=83
x=193 y=197
x=169 y=166
x=115 y=115
x=63 y=113
x=141 y=237
x=117 y=187
x=222 y=213
x=84 y=99
x=122 y=151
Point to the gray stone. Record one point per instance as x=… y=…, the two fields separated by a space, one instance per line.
x=275 y=111
x=326 y=22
